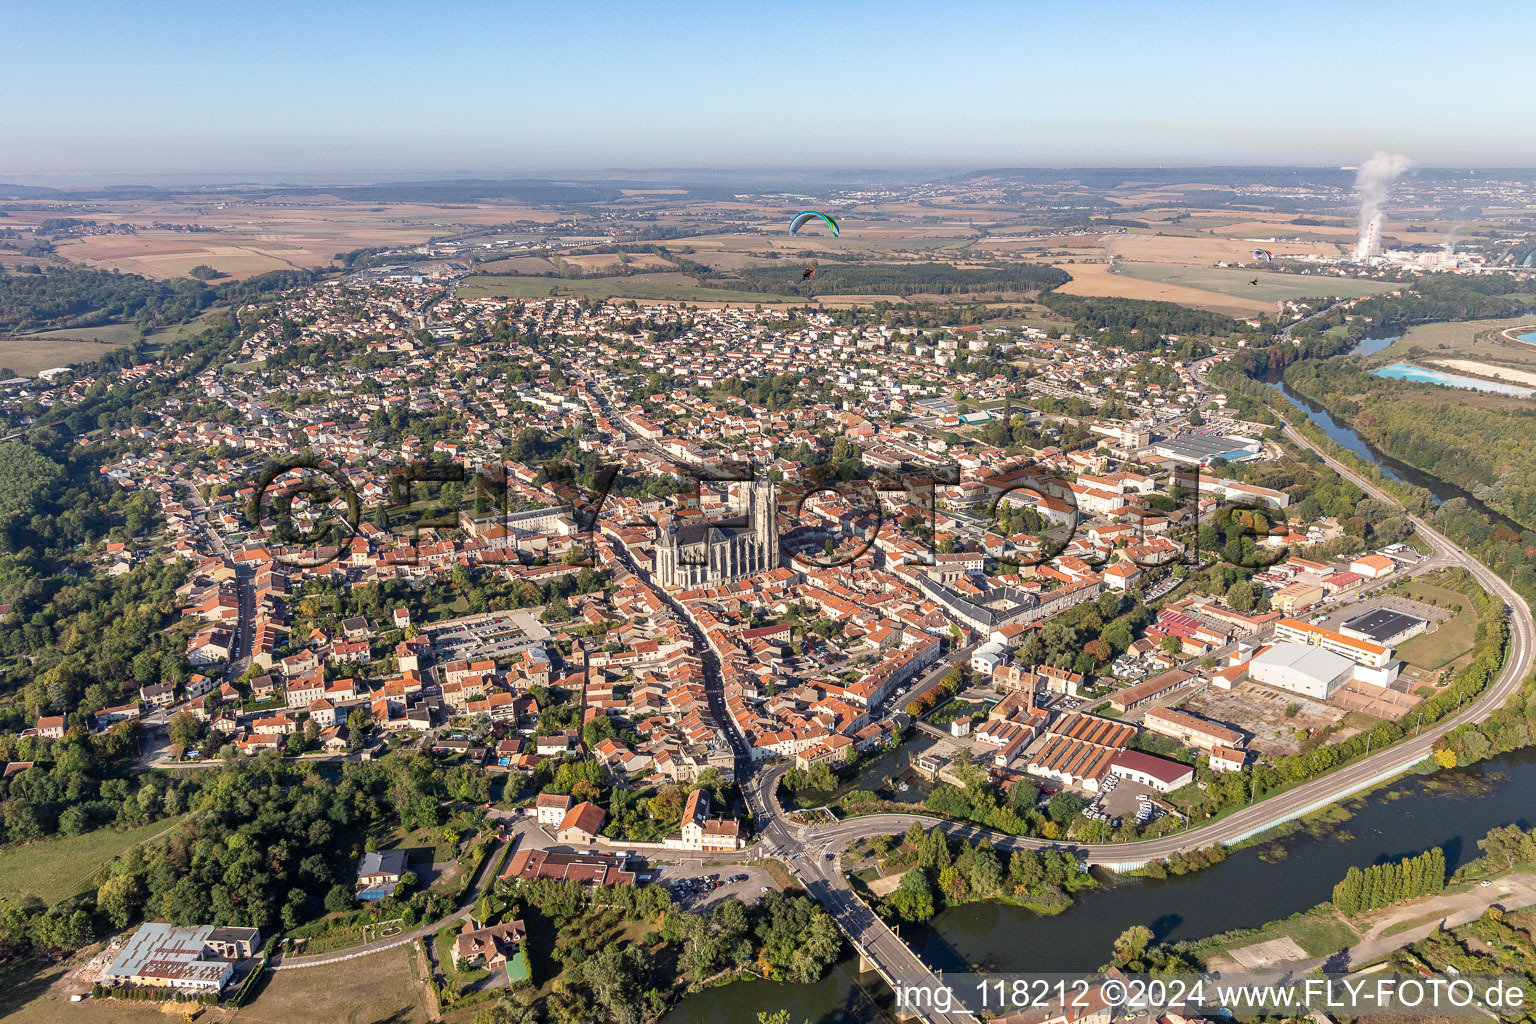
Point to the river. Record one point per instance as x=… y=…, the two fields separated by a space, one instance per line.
x=1440 y=491
x=1450 y=809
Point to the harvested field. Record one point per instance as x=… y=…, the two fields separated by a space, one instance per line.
x=381 y=987
x=1237 y=282
x=1096 y=279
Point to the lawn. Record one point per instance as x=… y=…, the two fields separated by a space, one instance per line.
x=1319 y=932
x=442 y=944
x=1452 y=639
x=951 y=710
x=56 y=869
x=383 y=987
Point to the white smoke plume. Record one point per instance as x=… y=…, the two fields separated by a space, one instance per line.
x=1449 y=245
x=1371 y=183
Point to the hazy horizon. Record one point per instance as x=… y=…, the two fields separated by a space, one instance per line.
x=387 y=88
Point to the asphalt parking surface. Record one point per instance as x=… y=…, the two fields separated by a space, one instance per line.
x=748 y=890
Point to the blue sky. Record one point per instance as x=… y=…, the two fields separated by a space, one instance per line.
x=512 y=87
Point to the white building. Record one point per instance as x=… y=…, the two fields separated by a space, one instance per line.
x=1310 y=671
x=986 y=658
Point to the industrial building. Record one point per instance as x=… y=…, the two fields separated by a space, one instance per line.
x=1157 y=773
x=198 y=959
x=1203 y=449
x=1310 y=671
x=1361 y=652
x=1191 y=730
x=1384 y=626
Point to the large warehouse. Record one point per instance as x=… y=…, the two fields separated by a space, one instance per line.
x=1203 y=449
x=1309 y=671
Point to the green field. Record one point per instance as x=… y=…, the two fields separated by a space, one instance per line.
x=1319 y=932
x=109 y=334
x=29 y=356
x=518 y=265
x=669 y=286
x=1452 y=639
x=176 y=332
x=1272 y=287
x=56 y=869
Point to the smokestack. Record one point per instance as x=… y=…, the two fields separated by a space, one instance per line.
x=1371 y=183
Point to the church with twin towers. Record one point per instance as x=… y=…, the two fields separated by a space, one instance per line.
x=700 y=553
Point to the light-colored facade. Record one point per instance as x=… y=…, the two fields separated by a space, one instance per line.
x=700 y=553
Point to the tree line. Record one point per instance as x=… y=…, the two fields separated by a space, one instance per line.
x=1382 y=885
x=899 y=279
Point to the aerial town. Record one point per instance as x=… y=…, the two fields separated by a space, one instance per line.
x=655 y=583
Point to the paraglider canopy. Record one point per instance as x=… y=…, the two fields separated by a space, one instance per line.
x=1263 y=254
x=800 y=219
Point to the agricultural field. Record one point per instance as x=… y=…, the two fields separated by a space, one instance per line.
x=1272 y=287
x=249 y=238
x=1097 y=279
x=675 y=287
x=56 y=869
x=28 y=356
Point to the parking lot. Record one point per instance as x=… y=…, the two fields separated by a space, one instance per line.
x=1123 y=800
x=696 y=887
x=493 y=635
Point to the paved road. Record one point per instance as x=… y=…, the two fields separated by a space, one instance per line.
x=291 y=963
x=817 y=857
x=1320 y=791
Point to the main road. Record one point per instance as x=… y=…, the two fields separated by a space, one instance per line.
x=1309 y=796
x=814 y=853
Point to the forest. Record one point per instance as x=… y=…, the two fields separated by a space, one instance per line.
x=70 y=296
x=1430 y=298
x=1487 y=450
x=64 y=295
x=1091 y=312
x=899 y=279
x=264 y=843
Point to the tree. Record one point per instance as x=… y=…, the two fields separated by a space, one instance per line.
x=1347 y=894
x=1132 y=943
x=913 y=898
x=1243 y=596
x=1064 y=807
x=338 y=899
x=185 y=730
